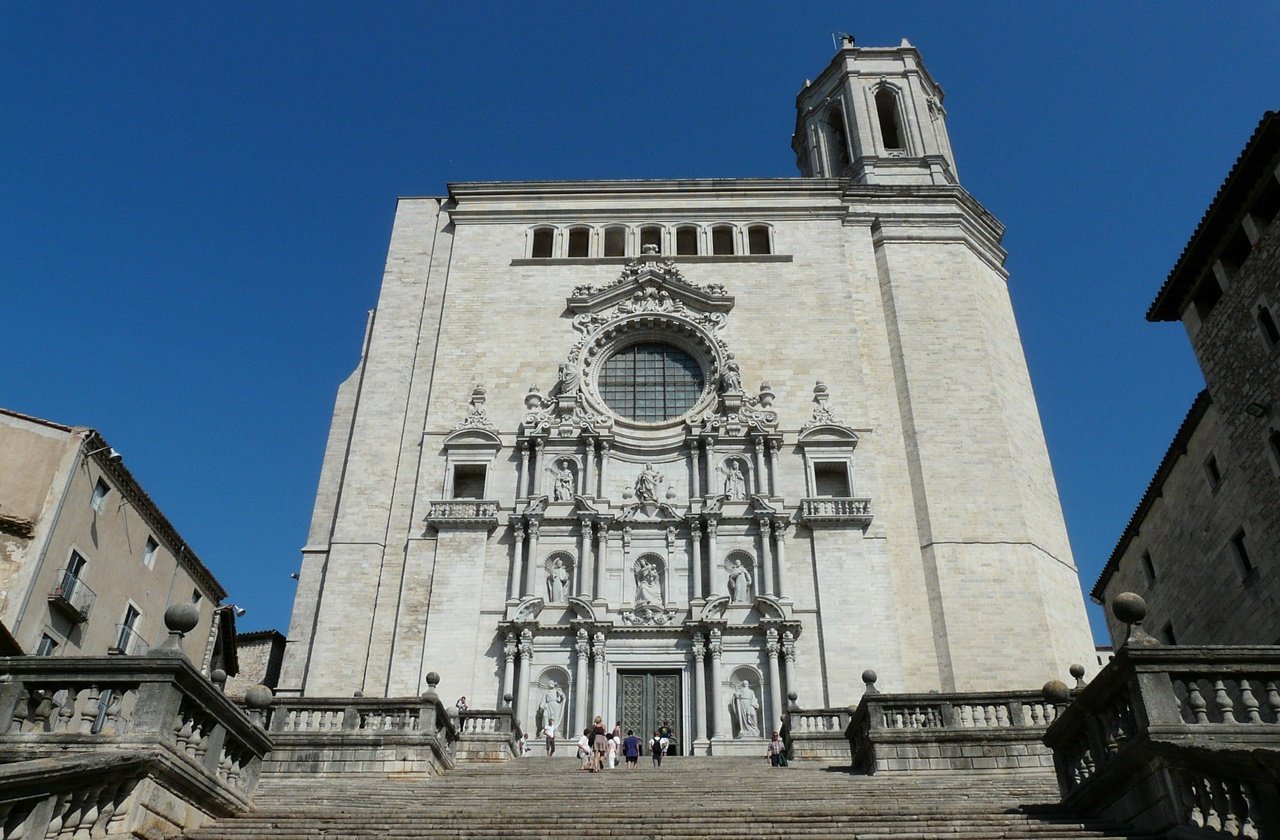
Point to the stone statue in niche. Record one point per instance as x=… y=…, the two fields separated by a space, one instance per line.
x=739 y=582
x=648 y=582
x=746 y=711
x=647 y=484
x=562 y=489
x=735 y=483
x=732 y=376
x=557 y=582
x=551 y=707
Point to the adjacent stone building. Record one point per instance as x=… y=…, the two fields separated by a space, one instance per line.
x=88 y=563
x=1204 y=544
x=669 y=450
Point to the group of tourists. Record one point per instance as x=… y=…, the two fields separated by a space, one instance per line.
x=600 y=749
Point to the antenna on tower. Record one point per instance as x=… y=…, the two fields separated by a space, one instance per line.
x=841 y=37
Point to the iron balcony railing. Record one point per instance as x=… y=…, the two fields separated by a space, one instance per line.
x=72 y=596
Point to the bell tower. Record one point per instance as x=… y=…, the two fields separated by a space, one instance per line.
x=874 y=115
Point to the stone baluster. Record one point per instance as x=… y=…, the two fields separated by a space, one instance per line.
x=718 y=583
x=526 y=674
x=604 y=468
x=695 y=567
x=589 y=474
x=699 y=686
x=758 y=445
x=584 y=557
x=602 y=558
x=582 y=653
x=531 y=562
x=765 y=555
x=509 y=669
x=717 y=701
x=695 y=484
x=772 y=649
x=789 y=662
x=780 y=555
x=774 y=446
x=597 y=672
x=517 y=558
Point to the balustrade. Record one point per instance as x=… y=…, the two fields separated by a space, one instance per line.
x=835 y=511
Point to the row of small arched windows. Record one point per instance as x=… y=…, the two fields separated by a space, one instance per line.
x=546 y=242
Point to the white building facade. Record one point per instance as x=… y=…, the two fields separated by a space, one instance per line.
x=669 y=450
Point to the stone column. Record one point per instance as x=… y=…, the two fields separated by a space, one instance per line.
x=509 y=669
x=780 y=553
x=699 y=687
x=536 y=465
x=711 y=464
x=604 y=467
x=717 y=701
x=696 y=489
x=517 y=562
x=526 y=468
x=602 y=558
x=526 y=673
x=597 y=673
x=774 y=446
x=628 y=583
x=582 y=652
x=584 y=557
x=758 y=444
x=695 y=569
x=718 y=584
x=589 y=475
x=771 y=648
x=766 y=558
x=789 y=659
x=531 y=563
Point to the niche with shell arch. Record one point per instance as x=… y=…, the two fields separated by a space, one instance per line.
x=650 y=574
x=551 y=699
x=740 y=572
x=559 y=568
x=746 y=703
x=735 y=478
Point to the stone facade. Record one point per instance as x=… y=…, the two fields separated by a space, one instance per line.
x=258 y=656
x=858 y=473
x=65 y=494
x=1203 y=546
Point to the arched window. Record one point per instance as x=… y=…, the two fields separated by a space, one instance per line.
x=579 y=241
x=1267 y=326
x=543 y=239
x=837 y=141
x=615 y=241
x=890 y=124
x=758 y=240
x=686 y=240
x=651 y=235
x=722 y=239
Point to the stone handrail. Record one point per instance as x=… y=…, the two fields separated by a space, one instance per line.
x=362 y=734
x=835 y=511
x=463 y=513
x=816 y=733
x=486 y=735
x=954 y=731
x=158 y=708
x=1168 y=737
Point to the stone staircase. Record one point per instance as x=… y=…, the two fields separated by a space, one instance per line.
x=685 y=798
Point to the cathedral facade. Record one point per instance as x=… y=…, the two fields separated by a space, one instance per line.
x=668 y=451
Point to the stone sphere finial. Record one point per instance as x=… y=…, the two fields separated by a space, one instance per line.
x=219 y=678
x=258 y=697
x=1130 y=608
x=433 y=680
x=1056 y=692
x=533 y=400
x=1077 y=670
x=793 y=700
x=869 y=677
x=180 y=619
x=507 y=697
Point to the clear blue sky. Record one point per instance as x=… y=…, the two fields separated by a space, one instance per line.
x=195 y=202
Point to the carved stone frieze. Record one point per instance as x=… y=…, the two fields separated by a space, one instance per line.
x=649 y=615
x=477 y=417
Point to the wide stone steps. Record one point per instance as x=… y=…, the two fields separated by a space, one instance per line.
x=685 y=798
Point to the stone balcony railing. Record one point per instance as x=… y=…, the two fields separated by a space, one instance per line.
x=487 y=735
x=835 y=511
x=817 y=733
x=120 y=744
x=1173 y=739
x=955 y=731
x=463 y=513
x=362 y=734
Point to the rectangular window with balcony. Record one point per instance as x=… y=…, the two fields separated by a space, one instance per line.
x=831 y=479
x=468 y=481
x=70 y=594
x=128 y=639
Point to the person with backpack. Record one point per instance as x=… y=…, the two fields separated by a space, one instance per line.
x=655 y=749
x=584 y=750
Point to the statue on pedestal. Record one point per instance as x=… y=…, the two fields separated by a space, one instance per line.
x=746 y=710
x=647 y=484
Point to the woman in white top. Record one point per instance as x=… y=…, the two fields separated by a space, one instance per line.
x=584 y=750
x=612 y=747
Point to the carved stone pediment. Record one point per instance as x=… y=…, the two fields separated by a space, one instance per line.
x=526 y=610
x=649 y=512
x=714 y=609
x=582 y=608
x=650 y=282
x=649 y=615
